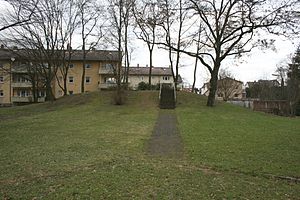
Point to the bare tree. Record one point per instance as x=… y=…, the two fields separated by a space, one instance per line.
x=168 y=20
x=116 y=15
x=126 y=17
x=147 y=18
x=198 y=48
x=293 y=83
x=20 y=19
x=69 y=23
x=229 y=29
x=281 y=75
x=175 y=31
x=41 y=40
x=91 y=27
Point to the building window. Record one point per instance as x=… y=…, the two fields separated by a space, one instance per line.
x=1 y=93
x=107 y=66
x=71 y=65
x=46 y=65
x=20 y=79
x=23 y=93
x=236 y=95
x=88 y=66
x=166 y=78
x=142 y=78
x=42 y=94
x=1 y=79
x=60 y=93
x=87 y=79
x=71 y=79
x=70 y=92
x=109 y=80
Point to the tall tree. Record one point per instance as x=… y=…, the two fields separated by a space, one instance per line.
x=198 y=48
x=45 y=38
x=229 y=28
x=126 y=17
x=69 y=23
x=293 y=83
x=116 y=16
x=91 y=26
x=147 y=18
x=177 y=24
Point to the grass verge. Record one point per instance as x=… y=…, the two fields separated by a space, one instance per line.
x=83 y=147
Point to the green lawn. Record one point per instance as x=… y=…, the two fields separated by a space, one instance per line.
x=83 y=147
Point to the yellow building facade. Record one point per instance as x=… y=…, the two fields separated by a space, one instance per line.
x=15 y=88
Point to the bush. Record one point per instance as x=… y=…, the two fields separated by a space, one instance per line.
x=145 y=86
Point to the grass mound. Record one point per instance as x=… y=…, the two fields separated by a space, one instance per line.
x=233 y=138
x=84 y=147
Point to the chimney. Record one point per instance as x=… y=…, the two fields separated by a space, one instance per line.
x=138 y=65
x=2 y=46
x=146 y=65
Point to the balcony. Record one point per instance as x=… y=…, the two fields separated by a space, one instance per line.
x=26 y=99
x=105 y=71
x=107 y=85
x=21 y=84
x=19 y=70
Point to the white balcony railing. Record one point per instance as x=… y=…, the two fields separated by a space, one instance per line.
x=107 y=85
x=26 y=99
x=105 y=71
x=21 y=84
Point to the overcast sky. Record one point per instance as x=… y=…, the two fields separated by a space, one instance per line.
x=256 y=65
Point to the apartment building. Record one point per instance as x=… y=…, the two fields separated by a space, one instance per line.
x=137 y=75
x=98 y=62
x=16 y=88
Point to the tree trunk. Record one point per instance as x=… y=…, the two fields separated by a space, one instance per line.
x=49 y=93
x=126 y=54
x=213 y=86
x=195 y=71
x=65 y=86
x=83 y=69
x=150 y=69
x=34 y=91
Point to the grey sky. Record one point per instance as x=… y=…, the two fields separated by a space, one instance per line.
x=256 y=65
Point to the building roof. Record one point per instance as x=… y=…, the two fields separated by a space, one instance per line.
x=96 y=55
x=228 y=78
x=157 y=71
x=269 y=83
x=77 y=55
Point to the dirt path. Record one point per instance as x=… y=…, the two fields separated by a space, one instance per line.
x=165 y=139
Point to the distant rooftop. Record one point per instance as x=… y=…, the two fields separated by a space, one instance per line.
x=77 y=55
x=157 y=71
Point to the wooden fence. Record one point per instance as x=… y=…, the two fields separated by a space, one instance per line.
x=274 y=107
x=270 y=106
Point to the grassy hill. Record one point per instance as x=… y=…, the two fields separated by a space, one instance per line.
x=83 y=147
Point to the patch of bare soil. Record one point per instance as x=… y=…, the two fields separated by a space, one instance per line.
x=165 y=139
